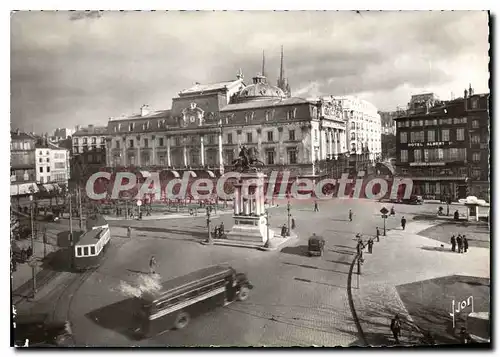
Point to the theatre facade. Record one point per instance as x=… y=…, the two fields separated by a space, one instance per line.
x=208 y=123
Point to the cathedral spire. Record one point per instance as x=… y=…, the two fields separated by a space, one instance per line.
x=282 y=70
x=263 y=64
x=282 y=81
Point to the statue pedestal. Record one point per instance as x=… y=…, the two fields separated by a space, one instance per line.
x=249 y=213
x=251 y=229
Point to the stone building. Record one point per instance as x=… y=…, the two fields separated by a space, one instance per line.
x=22 y=164
x=208 y=123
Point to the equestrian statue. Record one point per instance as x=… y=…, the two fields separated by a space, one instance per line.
x=247 y=160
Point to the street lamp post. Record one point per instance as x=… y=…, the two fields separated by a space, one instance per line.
x=209 y=238
x=289 y=216
x=33 y=266
x=384 y=212
x=71 y=241
x=268 y=241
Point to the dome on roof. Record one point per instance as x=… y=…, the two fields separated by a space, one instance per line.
x=260 y=89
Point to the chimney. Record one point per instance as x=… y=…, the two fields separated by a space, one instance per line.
x=18 y=132
x=77 y=128
x=91 y=126
x=144 y=110
x=465 y=99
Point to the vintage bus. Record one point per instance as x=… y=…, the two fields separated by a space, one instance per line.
x=91 y=247
x=187 y=296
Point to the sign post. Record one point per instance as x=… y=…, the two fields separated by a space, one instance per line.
x=384 y=212
x=139 y=204
x=460 y=306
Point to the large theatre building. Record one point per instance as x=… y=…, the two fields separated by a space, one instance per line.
x=207 y=124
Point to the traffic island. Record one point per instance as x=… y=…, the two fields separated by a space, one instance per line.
x=275 y=243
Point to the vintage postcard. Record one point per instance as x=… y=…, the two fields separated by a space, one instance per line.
x=250 y=178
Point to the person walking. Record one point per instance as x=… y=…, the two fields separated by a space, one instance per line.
x=396 y=328
x=293 y=223
x=152 y=265
x=129 y=232
x=350 y=215
x=465 y=243
x=378 y=235
x=459 y=243
x=370 y=245
x=403 y=222
x=453 y=243
x=316 y=208
x=465 y=337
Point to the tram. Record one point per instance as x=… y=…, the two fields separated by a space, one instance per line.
x=92 y=245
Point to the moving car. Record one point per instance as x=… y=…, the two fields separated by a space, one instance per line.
x=315 y=246
x=40 y=332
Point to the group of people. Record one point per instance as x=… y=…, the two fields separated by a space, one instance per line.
x=459 y=243
x=219 y=231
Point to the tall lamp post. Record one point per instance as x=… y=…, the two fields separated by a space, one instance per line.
x=268 y=241
x=384 y=212
x=209 y=238
x=32 y=258
x=289 y=216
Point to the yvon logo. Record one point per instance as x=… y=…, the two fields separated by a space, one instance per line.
x=457 y=307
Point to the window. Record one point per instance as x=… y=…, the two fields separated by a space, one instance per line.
x=440 y=154
x=474 y=103
x=41 y=169
x=476 y=139
x=94 y=140
x=48 y=168
x=445 y=135
x=476 y=157
x=353 y=125
x=292 y=156
x=431 y=135
x=403 y=137
x=291 y=134
x=269 y=136
x=417 y=154
x=131 y=143
x=40 y=160
x=103 y=139
x=117 y=144
x=404 y=155
x=211 y=139
x=229 y=156
x=267 y=115
x=177 y=141
x=461 y=134
x=161 y=141
x=476 y=173
x=315 y=134
x=48 y=178
x=48 y=160
x=229 y=138
x=85 y=141
x=146 y=143
x=131 y=127
x=270 y=157
x=353 y=136
x=79 y=251
x=85 y=250
x=249 y=137
x=475 y=124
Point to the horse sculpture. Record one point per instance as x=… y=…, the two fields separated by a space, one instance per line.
x=247 y=160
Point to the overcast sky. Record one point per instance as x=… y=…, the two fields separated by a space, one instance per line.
x=68 y=69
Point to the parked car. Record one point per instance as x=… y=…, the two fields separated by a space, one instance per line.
x=40 y=332
x=413 y=200
x=316 y=246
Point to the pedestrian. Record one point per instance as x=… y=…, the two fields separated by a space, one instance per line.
x=316 y=208
x=396 y=328
x=459 y=243
x=403 y=222
x=465 y=337
x=293 y=223
x=378 y=235
x=465 y=243
x=360 y=246
x=350 y=215
x=129 y=232
x=456 y=215
x=283 y=230
x=453 y=243
x=370 y=245
x=152 y=265
x=221 y=228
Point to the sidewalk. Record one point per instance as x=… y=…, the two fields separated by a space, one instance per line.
x=404 y=257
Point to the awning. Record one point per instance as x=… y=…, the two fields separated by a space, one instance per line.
x=145 y=174
x=23 y=189
x=433 y=178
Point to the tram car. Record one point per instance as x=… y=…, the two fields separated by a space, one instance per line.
x=92 y=245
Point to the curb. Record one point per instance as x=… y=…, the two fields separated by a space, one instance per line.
x=361 y=333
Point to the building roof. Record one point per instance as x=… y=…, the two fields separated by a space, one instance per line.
x=21 y=136
x=152 y=115
x=92 y=130
x=259 y=90
x=276 y=102
x=42 y=144
x=199 y=88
